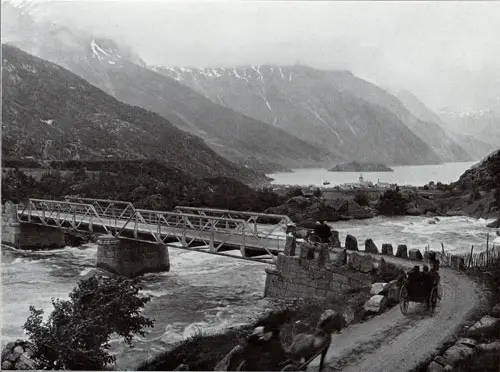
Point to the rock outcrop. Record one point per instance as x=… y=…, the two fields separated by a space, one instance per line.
x=361 y=167
x=495 y=224
x=17 y=356
x=303 y=210
x=486 y=326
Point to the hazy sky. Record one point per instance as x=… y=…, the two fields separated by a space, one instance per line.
x=447 y=53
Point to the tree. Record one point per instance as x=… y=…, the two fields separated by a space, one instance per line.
x=392 y=203
x=318 y=193
x=496 y=195
x=362 y=199
x=52 y=184
x=77 y=332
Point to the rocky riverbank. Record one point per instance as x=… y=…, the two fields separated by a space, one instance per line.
x=304 y=211
x=17 y=355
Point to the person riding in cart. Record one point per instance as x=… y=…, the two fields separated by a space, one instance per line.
x=323 y=231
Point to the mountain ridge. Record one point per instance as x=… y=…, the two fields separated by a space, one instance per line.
x=51 y=113
x=122 y=74
x=301 y=97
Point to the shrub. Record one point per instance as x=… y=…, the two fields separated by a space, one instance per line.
x=362 y=199
x=391 y=203
x=475 y=195
x=296 y=191
x=77 y=332
x=318 y=193
x=496 y=195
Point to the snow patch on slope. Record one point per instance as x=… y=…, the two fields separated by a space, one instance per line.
x=97 y=51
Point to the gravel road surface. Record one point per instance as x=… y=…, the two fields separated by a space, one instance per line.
x=393 y=342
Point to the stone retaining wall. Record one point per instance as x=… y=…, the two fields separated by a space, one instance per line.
x=312 y=275
x=131 y=258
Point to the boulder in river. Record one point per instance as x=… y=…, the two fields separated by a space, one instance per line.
x=495 y=224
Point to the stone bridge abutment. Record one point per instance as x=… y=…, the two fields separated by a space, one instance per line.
x=125 y=257
x=26 y=235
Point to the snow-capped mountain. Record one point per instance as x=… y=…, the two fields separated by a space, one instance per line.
x=121 y=73
x=476 y=148
x=483 y=124
x=332 y=109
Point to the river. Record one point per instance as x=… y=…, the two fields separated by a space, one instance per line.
x=416 y=175
x=201 y=292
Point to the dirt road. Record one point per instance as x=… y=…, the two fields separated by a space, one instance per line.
x=393 y=342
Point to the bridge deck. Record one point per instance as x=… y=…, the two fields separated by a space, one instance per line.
x=275 y=242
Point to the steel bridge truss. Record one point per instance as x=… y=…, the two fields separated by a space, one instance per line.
x=259 y=225
x=61 y=214
x=187 y=226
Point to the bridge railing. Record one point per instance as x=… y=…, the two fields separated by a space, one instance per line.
x=106 y=208
x=187 y=224
x=259 y=225
x=187 y=228
x=59 y=214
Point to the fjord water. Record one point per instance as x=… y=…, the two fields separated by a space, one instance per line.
x=415 y=175
x=201 y=292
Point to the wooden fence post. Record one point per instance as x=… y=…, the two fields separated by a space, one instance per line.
x=470 y=260
x=487 y=246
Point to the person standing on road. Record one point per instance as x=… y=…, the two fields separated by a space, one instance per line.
x=435 y=271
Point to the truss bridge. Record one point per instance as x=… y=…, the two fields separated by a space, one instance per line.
x=258 y=236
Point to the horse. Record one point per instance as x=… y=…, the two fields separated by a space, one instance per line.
x=305 y=346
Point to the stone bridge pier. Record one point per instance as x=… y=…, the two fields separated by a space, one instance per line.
x=131 y=258
x=28 y=236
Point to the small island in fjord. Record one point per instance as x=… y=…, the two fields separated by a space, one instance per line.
x=361 y=167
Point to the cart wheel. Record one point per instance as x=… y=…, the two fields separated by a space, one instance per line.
x=290 y=367
x=403 y=300
x=433 y=301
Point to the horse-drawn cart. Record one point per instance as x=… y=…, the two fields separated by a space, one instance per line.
x=420 y=287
